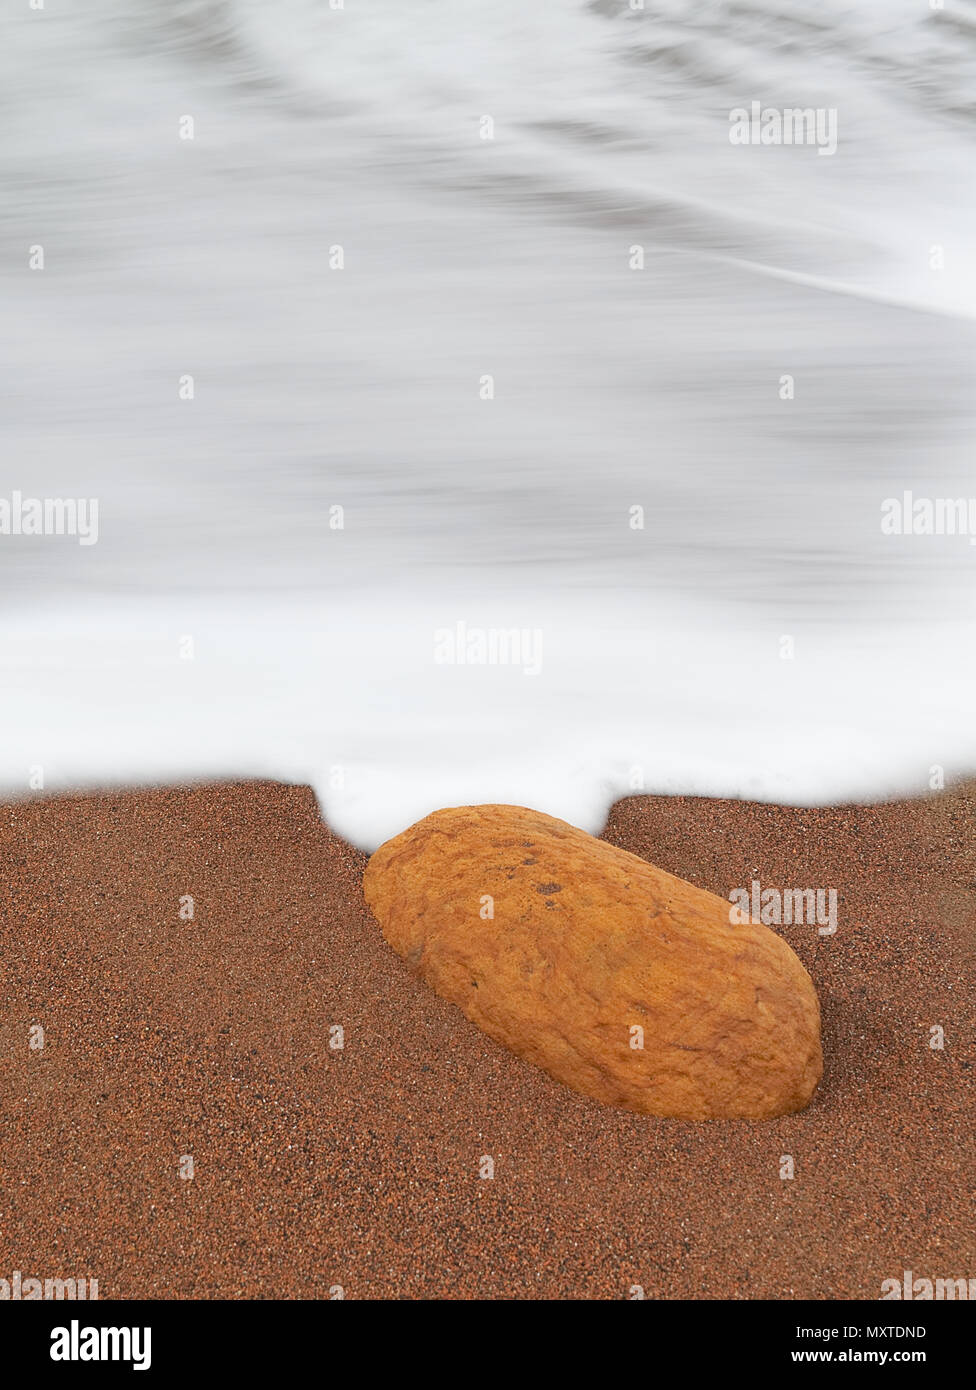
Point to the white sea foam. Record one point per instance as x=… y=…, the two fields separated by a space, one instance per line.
x=627 y=699
x=363 y=388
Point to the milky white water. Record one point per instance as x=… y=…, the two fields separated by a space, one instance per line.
x=654 y=658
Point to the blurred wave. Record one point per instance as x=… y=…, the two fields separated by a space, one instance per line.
x=467 y=258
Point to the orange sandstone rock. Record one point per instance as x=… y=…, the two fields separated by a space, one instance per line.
x=573 y=953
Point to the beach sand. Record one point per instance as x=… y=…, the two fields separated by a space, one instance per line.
x=317 y=1168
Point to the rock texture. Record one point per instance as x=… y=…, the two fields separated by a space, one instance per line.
x=570 y=952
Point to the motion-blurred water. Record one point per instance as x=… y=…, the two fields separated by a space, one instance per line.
x=664 y=664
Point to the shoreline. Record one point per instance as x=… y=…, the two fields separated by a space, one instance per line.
x=318 y=1167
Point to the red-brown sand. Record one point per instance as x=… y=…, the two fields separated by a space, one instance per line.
x=316 y=1167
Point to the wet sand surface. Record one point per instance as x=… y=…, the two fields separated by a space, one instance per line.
x=318 y=1168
